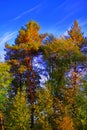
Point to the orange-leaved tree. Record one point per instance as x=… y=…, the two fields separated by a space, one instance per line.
x=20 y=56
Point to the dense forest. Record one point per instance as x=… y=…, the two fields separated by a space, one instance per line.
x=43 y=81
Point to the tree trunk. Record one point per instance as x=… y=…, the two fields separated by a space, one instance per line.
x=31 y=86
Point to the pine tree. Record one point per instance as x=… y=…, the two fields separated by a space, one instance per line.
x=17 y=115
x=20 y=57
x=76 y=35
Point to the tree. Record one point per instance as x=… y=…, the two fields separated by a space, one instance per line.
x=61 y=56
x=43 y=109
x=76 y=35
x=82 y=106
x=18 y=113
x=77 y=38
x=67 y=124
x=5 y=80
x=60 y=102
x=20 y=57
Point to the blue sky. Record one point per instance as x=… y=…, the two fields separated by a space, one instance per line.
x=53 y=16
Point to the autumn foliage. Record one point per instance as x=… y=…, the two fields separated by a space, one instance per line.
x=58 y=104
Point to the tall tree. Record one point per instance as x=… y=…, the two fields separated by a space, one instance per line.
x=76 y=35
x=78 y=39
x=61 y=56
x=20 y=56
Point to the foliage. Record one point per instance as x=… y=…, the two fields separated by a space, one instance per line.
x=62 y=103
x=61 y=56
x=18 y=113
x=67 y=124
x=5 y=80
x=43 y=108
x=82 y=106
x=76 y=35
x=20 y=57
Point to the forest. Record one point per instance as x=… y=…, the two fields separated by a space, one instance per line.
x=43 y=81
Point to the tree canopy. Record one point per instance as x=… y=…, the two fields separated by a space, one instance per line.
x=58 y=105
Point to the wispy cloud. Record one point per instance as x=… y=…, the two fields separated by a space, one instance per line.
x=61 y=5
x=2 y=53
x=6 y=37
x=82 y=22
x=69 y=8
x=27 y=11
x=64 y=18
x=72 y=6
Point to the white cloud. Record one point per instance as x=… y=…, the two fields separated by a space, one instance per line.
x=2 y=53
x=27 y=11
x=65 y=33
x=6 y=37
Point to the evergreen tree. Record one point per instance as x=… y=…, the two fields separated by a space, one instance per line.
x=20 y=57
x=76 y=35
x=17 y=115
x=5 y=80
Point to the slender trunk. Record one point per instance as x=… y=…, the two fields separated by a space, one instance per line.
x=32 y=117
x=31 y=86
x=74 y=90
x=74 y=79
x=20 y=83
x=1 y=122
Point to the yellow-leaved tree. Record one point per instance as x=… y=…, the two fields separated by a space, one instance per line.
x=76 y=35
x=18 y=113
x=43 y=109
